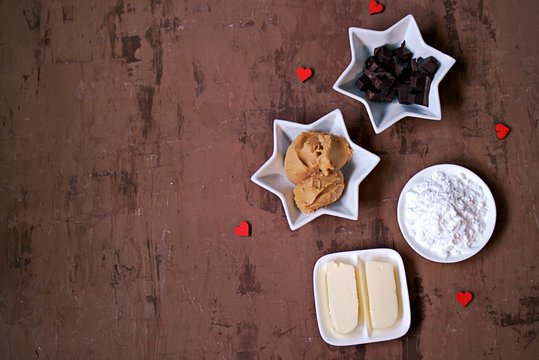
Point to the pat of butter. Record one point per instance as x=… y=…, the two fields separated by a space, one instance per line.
x=342 y=293
x=383 y=304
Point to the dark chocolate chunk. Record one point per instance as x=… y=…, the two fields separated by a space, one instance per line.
x=377 y=81
x=427 y=66
x=427 y=84
x=426 y=98
x=418 y=81
x=381 y=69
x=420 y=98
x=363 y=83
x=402 y=53
x=383 y=54
x=372 y=60
x=372 y=95
x=381 y=81
x=370 y=74
x=403 y=92
x=386 y=81
x=390 y=94
x=390 y=66
x=415 y=97
x=427 y=92
x=402 y=67
x=414 y=65
x=373 y=63
x=391 y=73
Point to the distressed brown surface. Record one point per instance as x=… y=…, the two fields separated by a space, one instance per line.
x=129 y=131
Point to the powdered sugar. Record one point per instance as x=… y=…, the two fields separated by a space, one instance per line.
x=446 y=213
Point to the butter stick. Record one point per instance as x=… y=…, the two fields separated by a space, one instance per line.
x=342 y=295
x=382 y=293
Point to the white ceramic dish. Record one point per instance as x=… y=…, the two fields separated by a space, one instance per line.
x=363 y=334
x=272 y=177
x=362 y=45
x=490 y=216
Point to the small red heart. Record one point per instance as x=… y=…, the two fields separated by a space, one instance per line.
x=464 y=298
x=375 y=8
x=304 y=73
x=243 y=229
x=501 y=130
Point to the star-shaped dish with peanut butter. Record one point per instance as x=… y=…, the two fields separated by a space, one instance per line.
x=315 y=169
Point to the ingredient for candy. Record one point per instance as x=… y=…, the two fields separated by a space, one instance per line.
x=314 y=151
x=390 y=73
x=445 y=213
x=342 y=295
x=313 y=162
x=318 y=190
x=382 y=292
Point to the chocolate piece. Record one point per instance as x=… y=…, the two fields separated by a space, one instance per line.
x=381 y=81
x=427 y=66
x=402 y=67
x=390 y=66
x=370 y=74
x=373 y=63
x=420 y=98
x=390 y=94
x=403 y=92
x=415 y=66
x=426 y=98
x=402 y=53
x=371 y=60
x=381 y=69
x=377 y=81
x=427 y=84
x=426 y=92
x=418 y=81
x=363 y=83
x=383 y=54
x=372 y=95
x=415 y=98
x=386 y=80
x=391 y=73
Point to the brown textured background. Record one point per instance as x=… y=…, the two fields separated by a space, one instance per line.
x=129 y=131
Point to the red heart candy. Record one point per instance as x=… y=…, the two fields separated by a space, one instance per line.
x=464 y=298
x=501 y=130
x=375 y=8
x=243 y=229
x=304 y=73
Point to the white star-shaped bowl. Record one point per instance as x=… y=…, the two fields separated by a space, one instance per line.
x=362 y=44
x=272 y=177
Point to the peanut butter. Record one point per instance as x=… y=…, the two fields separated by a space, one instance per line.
x=312 y=163
x=318 y=190
x=314 y=151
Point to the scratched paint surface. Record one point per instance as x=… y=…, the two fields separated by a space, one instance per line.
x=129 y=131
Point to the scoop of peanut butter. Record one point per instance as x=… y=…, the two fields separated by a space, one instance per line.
x=312 y=163
x=314 y=151
x=319 y=190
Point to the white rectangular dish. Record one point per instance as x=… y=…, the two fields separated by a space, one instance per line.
x=363 y=333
